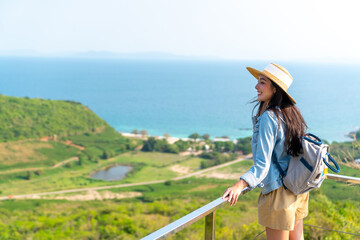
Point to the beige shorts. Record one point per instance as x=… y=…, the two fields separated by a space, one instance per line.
x=280 y=209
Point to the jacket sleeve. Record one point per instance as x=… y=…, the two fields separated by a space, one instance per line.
x=265 y=146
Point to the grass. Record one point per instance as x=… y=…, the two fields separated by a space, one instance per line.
x=106 y=140
x=33 y=153
x=155 y=159
x=148 y=167
x=240 y=167
x=24 y=118
x=151 y=173
x=158 y=205
x=192 y=163
x=340 y=191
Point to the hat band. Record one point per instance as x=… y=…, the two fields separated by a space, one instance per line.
x=279 y=74
x=277 y=80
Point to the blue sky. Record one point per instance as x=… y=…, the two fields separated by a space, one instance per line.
x=323 y=30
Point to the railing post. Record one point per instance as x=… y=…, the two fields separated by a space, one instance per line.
x=210 y=226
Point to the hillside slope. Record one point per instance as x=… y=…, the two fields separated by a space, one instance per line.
x=30 y=150
x=24 y=118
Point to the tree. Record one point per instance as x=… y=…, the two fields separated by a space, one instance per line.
x=82 y=157
x=182 y=145
x=149 y=145
x=219 y=146
x=206 y=136
x=135 y=131
x=143 y=133
x=244 y=145
x=160 y=145
x=171 y=148
x=108 y=154
x=194 y=136
x=166 y=135
x=29 y=175
x=228 y=146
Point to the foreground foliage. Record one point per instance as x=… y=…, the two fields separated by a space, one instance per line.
x=159 y=205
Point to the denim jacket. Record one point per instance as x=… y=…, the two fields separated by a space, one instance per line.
x=267 y=145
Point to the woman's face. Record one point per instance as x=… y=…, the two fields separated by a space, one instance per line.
x=265 y=89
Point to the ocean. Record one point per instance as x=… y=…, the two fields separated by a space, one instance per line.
x=181 y=97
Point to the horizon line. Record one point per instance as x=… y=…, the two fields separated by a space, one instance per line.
x=157 y=55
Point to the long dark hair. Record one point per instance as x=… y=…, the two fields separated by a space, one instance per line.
x=295 y=123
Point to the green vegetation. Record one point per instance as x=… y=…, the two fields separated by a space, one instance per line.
x=160 y=204
x=153 y=145
x=147 y=167
x=24 y=118
x=218 y=152
x=103 y=145
x=49 y=145
x=182 y=145
x=79 y=143
x=216 y=158
x=155 y=166
x=33 y=154
x=244 y=145
x=347 y=152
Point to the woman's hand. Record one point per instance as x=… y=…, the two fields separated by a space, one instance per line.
x=232 y=193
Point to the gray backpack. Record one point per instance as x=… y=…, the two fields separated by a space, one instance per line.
x=307 y=171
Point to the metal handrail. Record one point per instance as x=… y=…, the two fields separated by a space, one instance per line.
x=208 y=211
x=343 y=178
x=186 y=220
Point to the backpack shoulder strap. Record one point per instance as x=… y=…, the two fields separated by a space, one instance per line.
x=282 y=172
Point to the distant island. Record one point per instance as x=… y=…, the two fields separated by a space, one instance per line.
x=111 y=55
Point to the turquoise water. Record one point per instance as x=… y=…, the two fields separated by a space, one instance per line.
x=183 y=97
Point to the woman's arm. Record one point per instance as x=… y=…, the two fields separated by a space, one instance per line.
x=232 y=193
x=262 y=160
x=264 y=150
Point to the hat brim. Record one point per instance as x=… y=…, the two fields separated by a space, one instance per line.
x=256 y=73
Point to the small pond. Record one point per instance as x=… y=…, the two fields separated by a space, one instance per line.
x=113 y=173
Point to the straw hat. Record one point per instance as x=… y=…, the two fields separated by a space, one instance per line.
x=277 y=74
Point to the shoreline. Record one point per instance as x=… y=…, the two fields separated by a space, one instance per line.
x=347 y=137
x=172 y=140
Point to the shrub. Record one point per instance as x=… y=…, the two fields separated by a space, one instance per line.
x=244 y=145
x=149 y=145
x=29 y=175
x=171 y=148
x=182 y=145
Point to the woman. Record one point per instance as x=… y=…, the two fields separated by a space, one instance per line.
x=277 y=128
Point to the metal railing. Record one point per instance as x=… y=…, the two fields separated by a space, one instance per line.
x=209 y=212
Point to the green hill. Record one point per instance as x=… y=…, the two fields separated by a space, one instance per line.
x=39 y=132
x=24 y=118
x=41 y=139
